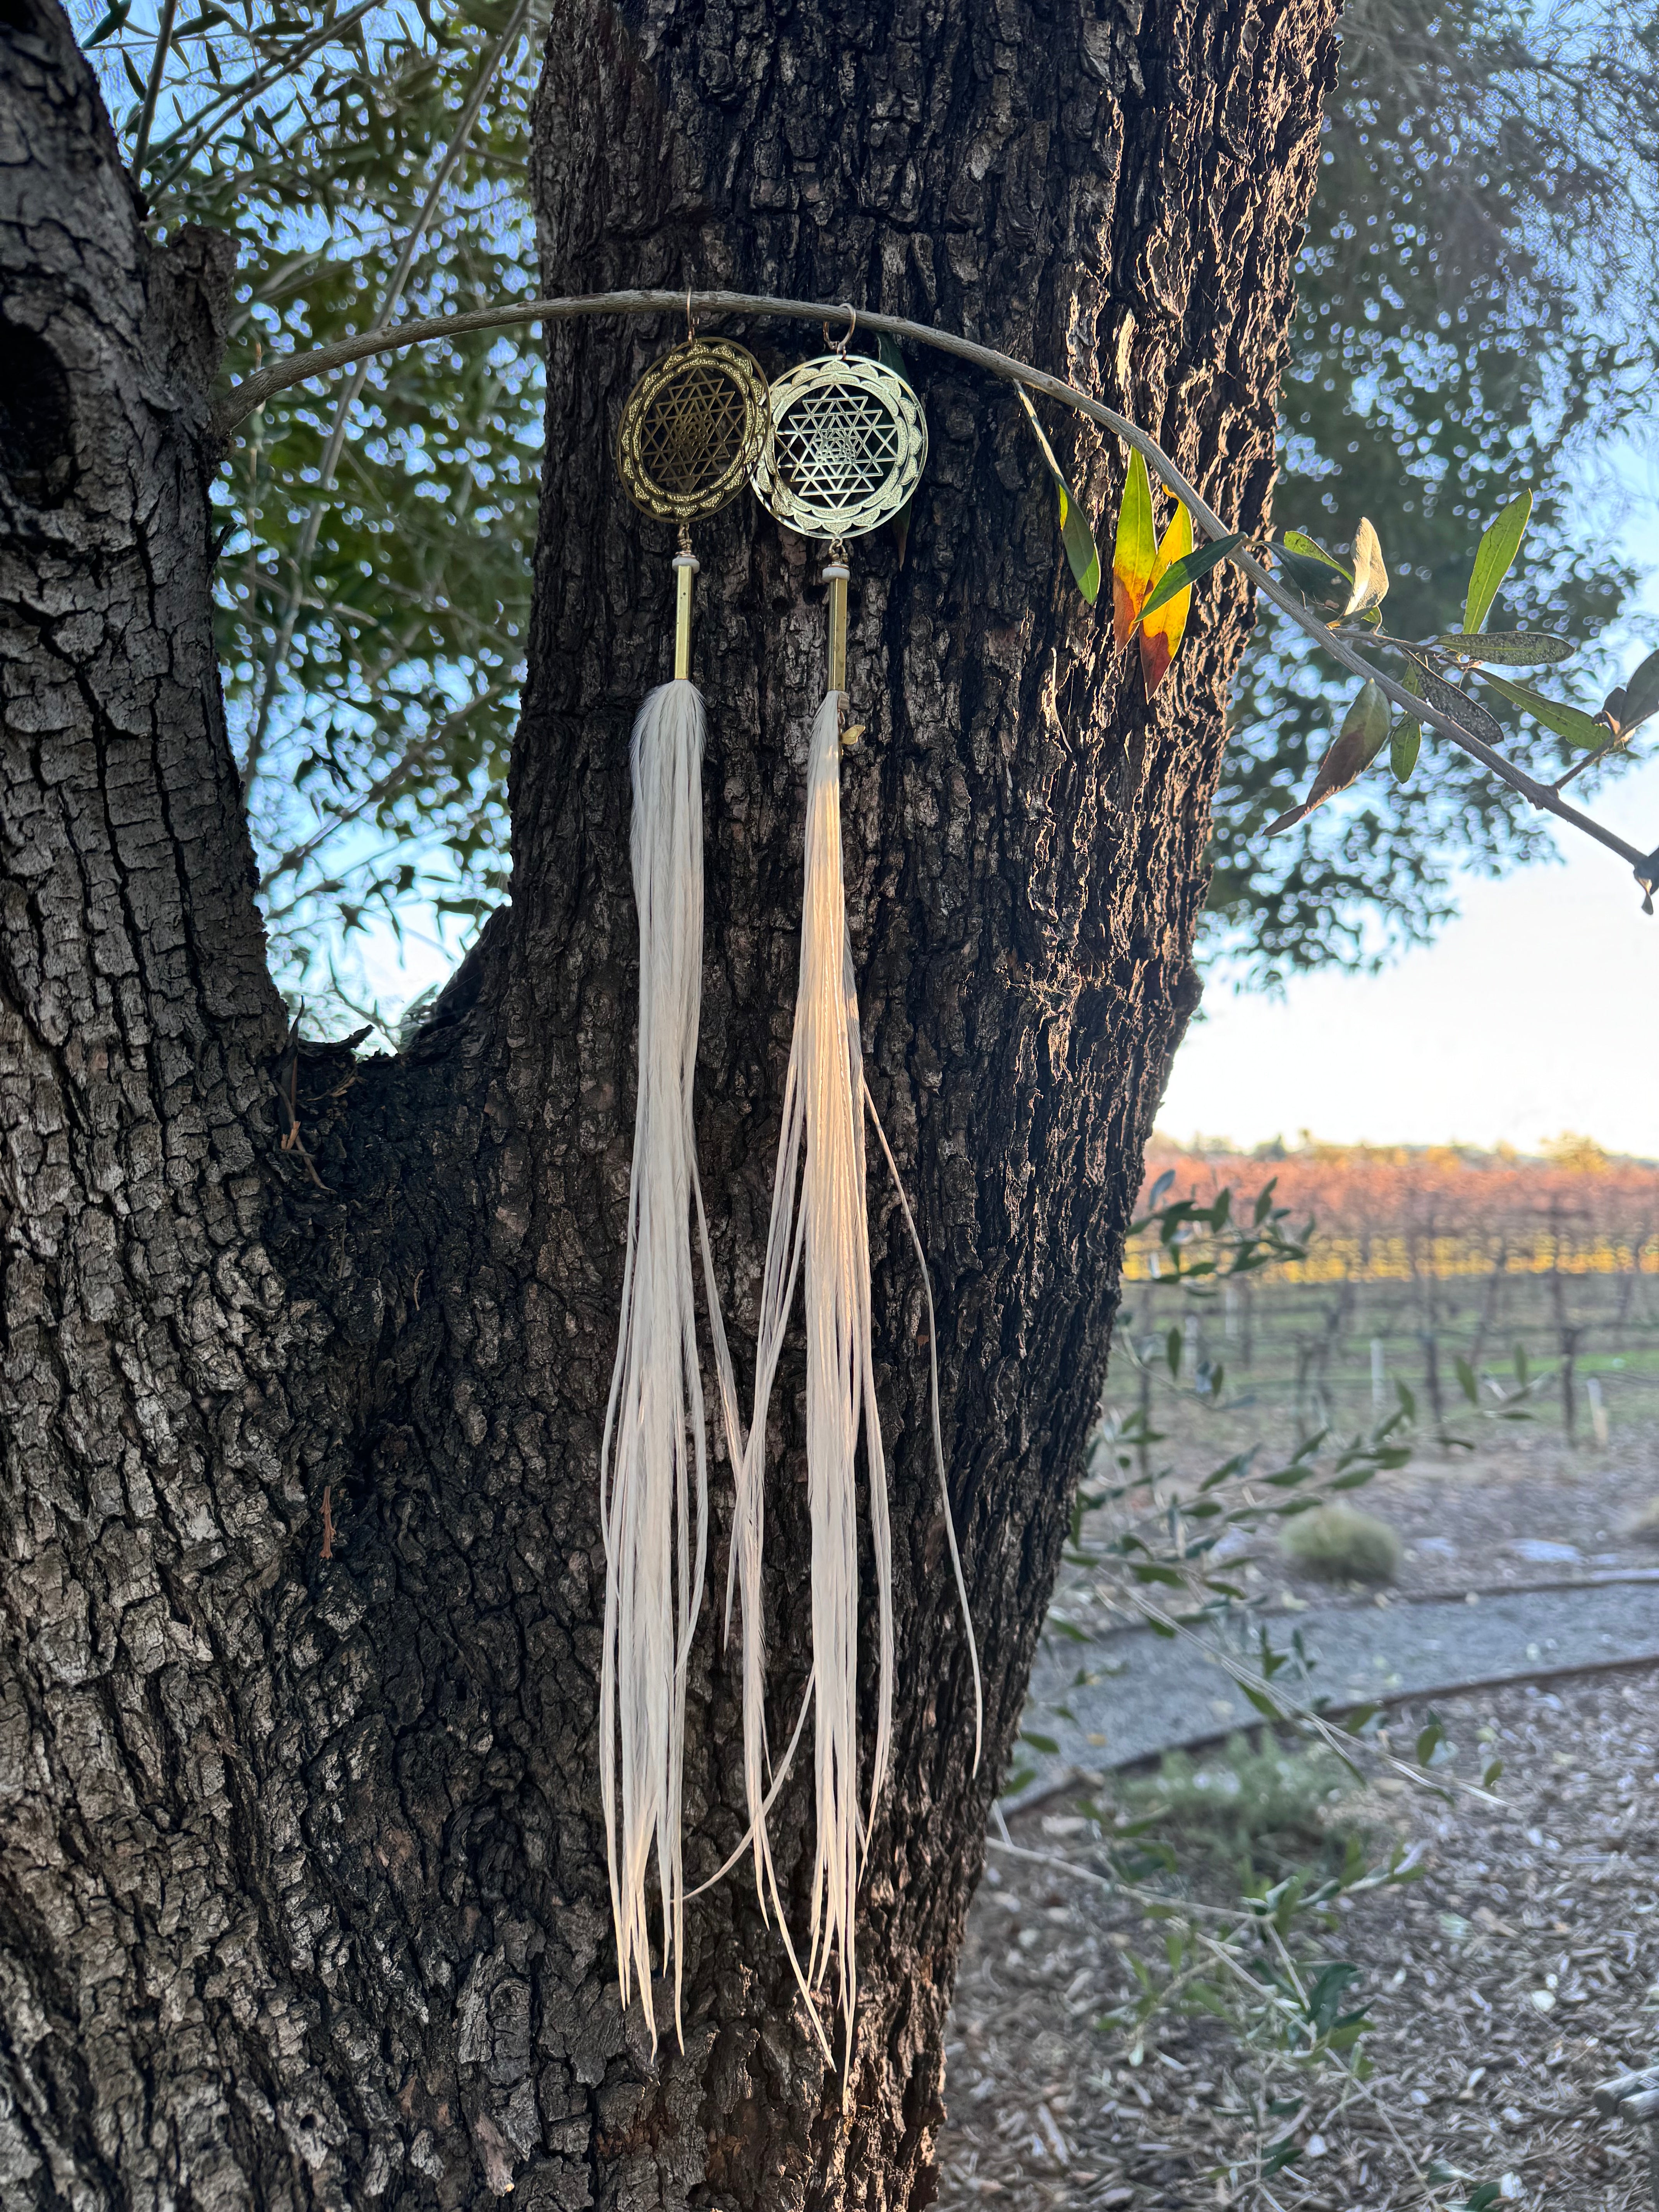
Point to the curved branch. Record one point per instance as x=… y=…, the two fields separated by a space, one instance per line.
x=252 y=393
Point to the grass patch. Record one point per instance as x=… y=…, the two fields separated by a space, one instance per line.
x=1242 y=1799
x=1341 y=1544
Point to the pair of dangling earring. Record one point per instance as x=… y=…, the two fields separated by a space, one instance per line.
x=833 y=449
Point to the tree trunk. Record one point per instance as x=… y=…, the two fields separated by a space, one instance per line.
x=302 y=1889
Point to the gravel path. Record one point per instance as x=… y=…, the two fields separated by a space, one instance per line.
x=1141 y=1695
x=1519 y=1973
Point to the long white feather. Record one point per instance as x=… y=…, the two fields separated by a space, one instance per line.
x=653 y=1462
x=822 y=1150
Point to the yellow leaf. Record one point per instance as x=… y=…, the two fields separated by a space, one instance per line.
x=1161 y=633
x=1134 y=556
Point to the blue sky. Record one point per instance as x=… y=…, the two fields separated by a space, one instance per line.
x=1531 y=1015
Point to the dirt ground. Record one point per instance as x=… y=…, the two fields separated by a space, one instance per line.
x=1521 y=1970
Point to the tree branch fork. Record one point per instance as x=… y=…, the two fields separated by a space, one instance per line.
x=246 y=397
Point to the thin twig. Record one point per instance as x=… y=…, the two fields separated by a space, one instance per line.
x=152 y=87
x=249 y=87
x=1176 y=1906
x=414 y=757
x=254 y=390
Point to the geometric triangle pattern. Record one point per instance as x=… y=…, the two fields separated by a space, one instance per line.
x=849 y=442
x=693 y=429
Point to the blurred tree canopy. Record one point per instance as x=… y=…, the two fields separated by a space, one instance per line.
x=1476 y=292
x=1475 y=304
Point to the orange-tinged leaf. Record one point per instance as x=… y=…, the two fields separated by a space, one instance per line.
x=1161 y=631
x=1134 y=557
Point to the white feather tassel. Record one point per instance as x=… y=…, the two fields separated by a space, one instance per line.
x=653 y=1470
x=823 y=1146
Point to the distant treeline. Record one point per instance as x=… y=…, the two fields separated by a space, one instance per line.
x=1393 y=1213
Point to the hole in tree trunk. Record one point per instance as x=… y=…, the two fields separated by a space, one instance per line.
x=36 y=447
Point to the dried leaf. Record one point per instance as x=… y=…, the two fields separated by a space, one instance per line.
x=1365 y=731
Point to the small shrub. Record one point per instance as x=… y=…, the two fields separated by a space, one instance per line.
x=1242 y=1796
x=1342 y=1545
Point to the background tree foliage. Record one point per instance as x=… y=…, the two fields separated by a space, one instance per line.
x=377 y=534
x=1475 y=304
x=1475 y=291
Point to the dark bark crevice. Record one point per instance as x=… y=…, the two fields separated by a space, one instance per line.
x=302 y=1896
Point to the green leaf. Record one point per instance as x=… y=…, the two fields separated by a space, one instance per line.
x=1630 y=704
x=1499 y=544
x=1514 y=648
x=1404 y=747
x=1324 y=1998
x=1467 y=1383
x=1180 y=574
x=1045 y=1743
x=1491 y=1773
x=1310 y=549
x=1367 y=718
x=1075 y=534
x=1468 y=714
x=1566 y=721
x=117 y=15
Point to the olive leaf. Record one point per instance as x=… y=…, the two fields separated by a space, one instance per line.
x=1370 y=578
x=1468 y=714
x=1161 y=633
x=1494 y=558
x=1407 y=739
x=1322 y=579
x=1630 y=703
x=1513 y=648
x=1135 y=553
x=1363 y=733
x=1180 y=574
x=1077 y=537
x=1567 y=722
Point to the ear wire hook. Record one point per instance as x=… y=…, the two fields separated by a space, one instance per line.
x=852 y=314
x=690 y=319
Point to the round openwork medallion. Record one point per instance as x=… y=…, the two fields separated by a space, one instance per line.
x=693 y=430
x=849 y=442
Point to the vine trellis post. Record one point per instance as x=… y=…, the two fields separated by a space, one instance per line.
x=247 y=397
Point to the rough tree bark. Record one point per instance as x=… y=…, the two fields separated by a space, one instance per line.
x=302 y=1873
